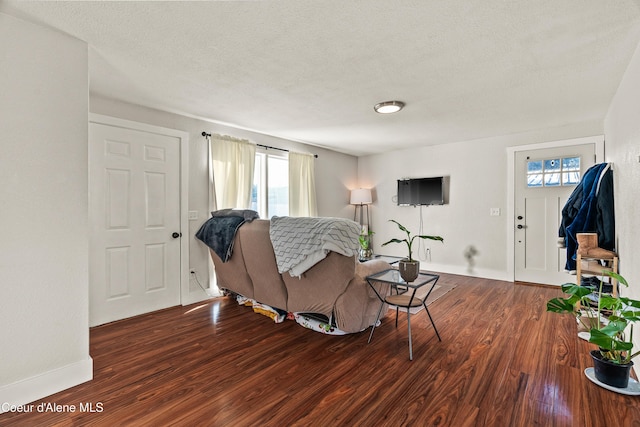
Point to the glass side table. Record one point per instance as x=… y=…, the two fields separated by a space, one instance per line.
x=388 y=258
x=405 y=296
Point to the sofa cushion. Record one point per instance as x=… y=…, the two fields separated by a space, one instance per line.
x=260 y=262
x=232 y=275
x=317 y=289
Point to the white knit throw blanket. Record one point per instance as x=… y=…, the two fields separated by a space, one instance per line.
x=300 y=243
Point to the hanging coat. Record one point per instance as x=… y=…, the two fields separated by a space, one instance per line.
x=589 y=209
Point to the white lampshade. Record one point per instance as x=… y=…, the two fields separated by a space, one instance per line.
x=361 y=196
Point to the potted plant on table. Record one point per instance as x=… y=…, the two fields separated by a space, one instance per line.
x=365 y=252
x=409 y=267
x=612 y=361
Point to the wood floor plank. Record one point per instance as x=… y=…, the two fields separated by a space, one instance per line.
x=503 y=361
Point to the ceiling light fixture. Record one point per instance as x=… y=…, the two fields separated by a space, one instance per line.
x=388 y=107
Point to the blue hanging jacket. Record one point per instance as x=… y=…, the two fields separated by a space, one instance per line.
x=589 y=209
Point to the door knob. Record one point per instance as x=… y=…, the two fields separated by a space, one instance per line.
x=175 y=235
x=520 y=226
x=519 y=216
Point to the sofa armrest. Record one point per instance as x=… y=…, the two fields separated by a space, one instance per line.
x=367 y=268
x=357 y=308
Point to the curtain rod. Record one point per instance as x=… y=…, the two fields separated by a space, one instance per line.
x=208 y=135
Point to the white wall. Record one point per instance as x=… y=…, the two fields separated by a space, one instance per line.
x=477 y=171
x=336 y=173
x=44 y=333
x=622 y=133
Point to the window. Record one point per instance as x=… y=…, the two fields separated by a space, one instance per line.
x=553 y=172
x=270 y=192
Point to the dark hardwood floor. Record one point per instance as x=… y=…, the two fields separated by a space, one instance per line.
x=503 y=361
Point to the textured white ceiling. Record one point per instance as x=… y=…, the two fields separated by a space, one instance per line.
x=311 y=71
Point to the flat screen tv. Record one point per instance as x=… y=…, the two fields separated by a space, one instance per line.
x=420 y=191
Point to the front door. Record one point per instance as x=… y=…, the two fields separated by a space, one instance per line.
x=544 y=180
x=134 y=196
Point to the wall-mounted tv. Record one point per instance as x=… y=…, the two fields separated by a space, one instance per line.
x=421 y=191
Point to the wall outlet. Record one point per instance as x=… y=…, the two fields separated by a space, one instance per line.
x=193 y=215
x=494 y=212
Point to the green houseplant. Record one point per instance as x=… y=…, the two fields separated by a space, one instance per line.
x=365 y=252
x=607 y=332
x=409 y=267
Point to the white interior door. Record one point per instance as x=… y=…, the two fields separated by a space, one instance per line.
x=134 y=187
x=544 y=180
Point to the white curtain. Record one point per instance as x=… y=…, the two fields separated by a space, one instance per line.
x=302 y=185
x=232 y=164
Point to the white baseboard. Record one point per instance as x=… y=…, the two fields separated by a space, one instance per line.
x=46 y=384
x=484 y=273
x=196 y=297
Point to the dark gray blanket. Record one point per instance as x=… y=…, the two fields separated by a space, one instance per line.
x=247 y=214
x=219 y=232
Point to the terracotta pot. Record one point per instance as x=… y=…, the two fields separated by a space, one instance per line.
x=610 y=373
x=409 y=270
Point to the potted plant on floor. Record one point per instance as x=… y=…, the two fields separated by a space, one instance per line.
x=612 y=361
x=409 y=267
